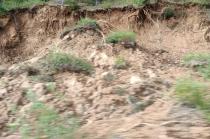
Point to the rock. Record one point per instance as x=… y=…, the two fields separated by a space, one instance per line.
x=151 y=73
x=15 y=69
x=79 y=109
x=92 y=55
x=3 y=119
x=4 y=21
x=39 y=89
x=129 y=44
x=100 y=59
x=135 y=79
x=3 y=70
x=45 y=98
x=65 y=33
x=207 y=35
x=141 y=105
x=31 y=71
x=25 y=108
x=25 y=85
x=109 y=76
x=3 y=92
x=69 y=114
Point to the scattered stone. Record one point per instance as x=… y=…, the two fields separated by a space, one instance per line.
x=31 y=71
x=3 y=70
x=3 y=92
x=79 y=109
x=3 y=119
x=39 y=89
x=108 y=77
x=151 y=73
x=135 y=79
x=25 y=108
x=141 y=105
x=25 y=85
x=129 y=44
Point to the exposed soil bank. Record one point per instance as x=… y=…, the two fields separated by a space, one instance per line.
x=112 y=104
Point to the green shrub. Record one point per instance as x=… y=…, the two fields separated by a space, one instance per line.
x=42 y=122
x=13 y=4
x=109 y=77
x=119 y=91
x=50 y=87
x=168 y=13
x=200 y=57
x=194 y=93
x=202 y=2
x=72 y=4
x=191 y=92
x=204 y=71
x=110 y=3
x=200 y=61
x=89 y=2
x=139 y=2
x=87 y=22
x=62 y=61
x=106 y=4
x=121 y=36
x=2 y=10
x=120 y=63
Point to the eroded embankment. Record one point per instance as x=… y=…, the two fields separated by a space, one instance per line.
x=112 y=103
x=25 y=32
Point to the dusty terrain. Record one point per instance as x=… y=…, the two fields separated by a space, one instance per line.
x=134 y=103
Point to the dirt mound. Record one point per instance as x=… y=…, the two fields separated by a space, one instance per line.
x=112 y=103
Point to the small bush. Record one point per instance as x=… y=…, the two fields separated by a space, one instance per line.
x=120 y=91
x=2 y=10
x=72 y=4
x=191 y=92
x=139 y=2
x=201 y=57
x=51 y=87
x=205 y=71
x=200 y=61
x=106 y=4
x=89 y=2
x=62 y=61
x=42 y=122
x=120 y=63
x=194 y=93
x=7 y=5
x=109 y=77
x=168 y=13
x=121 y=36
x=87 y=22
x=202 y=2
x=110 y=3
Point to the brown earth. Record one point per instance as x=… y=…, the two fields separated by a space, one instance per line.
x=136 y=103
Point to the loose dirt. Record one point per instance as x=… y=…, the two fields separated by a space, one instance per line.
x=135 y=103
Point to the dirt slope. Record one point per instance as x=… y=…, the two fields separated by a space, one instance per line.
x=136 y=103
